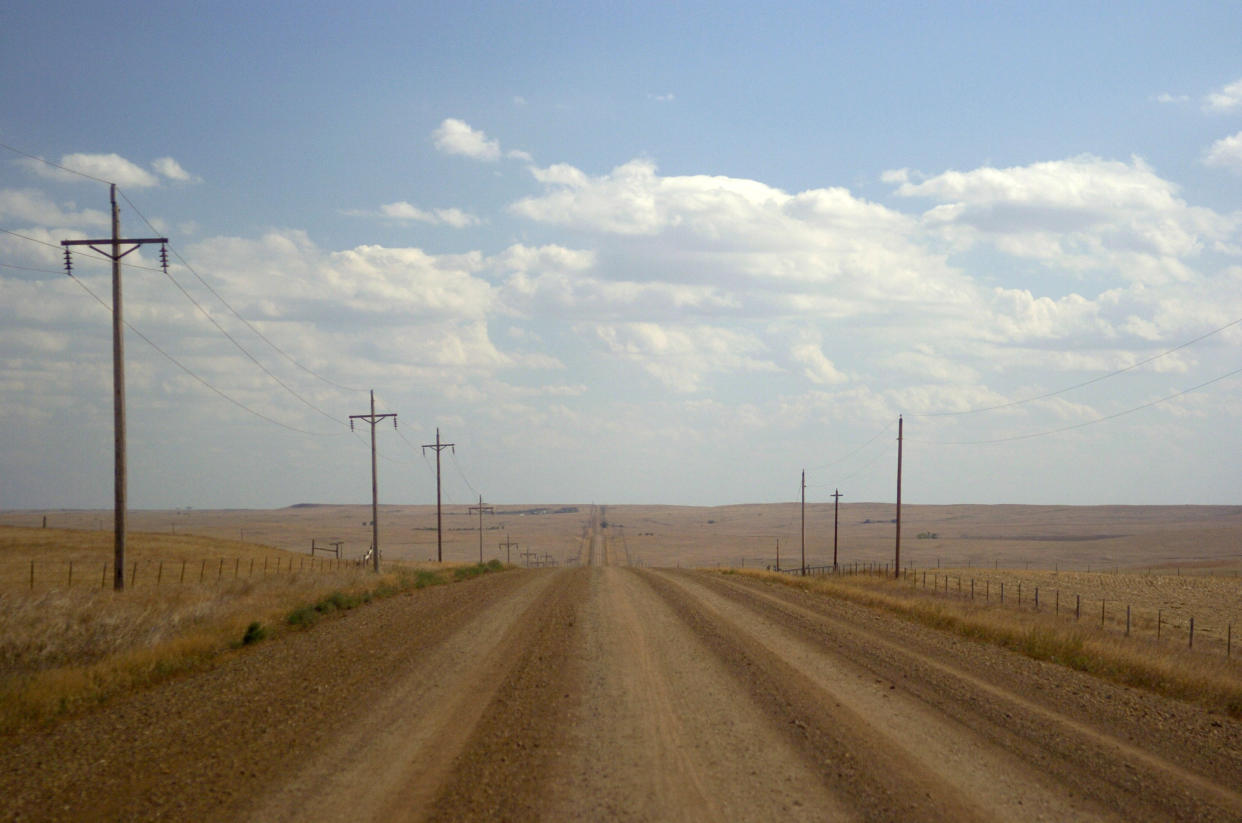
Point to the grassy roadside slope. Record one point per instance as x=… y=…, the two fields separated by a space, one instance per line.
x=66 y=648
x=1211 y=682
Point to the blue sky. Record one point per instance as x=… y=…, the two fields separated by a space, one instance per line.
x=653 y=253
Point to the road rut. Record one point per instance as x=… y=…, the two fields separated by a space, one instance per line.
x=609 y=693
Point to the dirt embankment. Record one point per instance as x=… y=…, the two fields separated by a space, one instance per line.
x=609 y=693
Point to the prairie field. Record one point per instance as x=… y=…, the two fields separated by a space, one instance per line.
x=1065 y=538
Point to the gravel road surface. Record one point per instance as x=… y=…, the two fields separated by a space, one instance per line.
x=612 y=693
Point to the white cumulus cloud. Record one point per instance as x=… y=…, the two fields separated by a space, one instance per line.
x=1080 y=214
x=111 y=167
x=171 y=169
x=1226 y=98
x=455 y=136
x=1226 y=152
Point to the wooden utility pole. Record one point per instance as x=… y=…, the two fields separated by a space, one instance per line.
x=778 y=554
x=507 y=546
x=481 y=509
x=897 y=557
x=373 y=418
x=804 y=522
x=836 y=500
x=115 y=254
x=439 y=447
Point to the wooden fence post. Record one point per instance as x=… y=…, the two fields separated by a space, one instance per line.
x=1192 y=633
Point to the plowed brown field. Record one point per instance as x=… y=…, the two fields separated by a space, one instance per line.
x=611 y=693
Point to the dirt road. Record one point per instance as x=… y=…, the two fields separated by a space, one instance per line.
x=607 y=693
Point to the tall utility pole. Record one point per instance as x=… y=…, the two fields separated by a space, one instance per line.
x=115 y=254
x=481 y=509
x=897 y=558
x=373 y=418
x=507 y=546
x=439 y=447
x=836 y=500
x=804 y=522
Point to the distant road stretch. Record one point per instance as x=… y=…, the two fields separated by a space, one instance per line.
x=609 y=693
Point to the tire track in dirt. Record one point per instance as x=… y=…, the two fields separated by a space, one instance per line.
x=664 y=732
x=607 y=693
x=212 y=745
x=1068 y=746
x=874 y=779
x=390 y=765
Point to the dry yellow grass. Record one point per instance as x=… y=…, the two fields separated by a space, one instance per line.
x=1208 y=680
x=65 y=647
x=1161 y=604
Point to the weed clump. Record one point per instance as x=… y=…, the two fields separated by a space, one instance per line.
x=254 y=633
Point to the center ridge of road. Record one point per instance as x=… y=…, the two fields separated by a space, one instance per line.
x=601 y=692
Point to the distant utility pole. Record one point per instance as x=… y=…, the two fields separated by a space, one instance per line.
x=897 y=559
x=507 y=546
x=778 y=554
x=439 y=447
x=481 y=509
x=836 y=500
x=118 y=367
x=373 y=418
x=804 y=522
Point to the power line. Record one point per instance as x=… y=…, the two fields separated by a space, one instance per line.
x=30 y=268
x=243 y=350
x=238 y=315
x=194 y=375
x=1086 y=423
x=32 y=239
x=47 y=162
x=1098 y=379
x=456 y=465
x=842 y=459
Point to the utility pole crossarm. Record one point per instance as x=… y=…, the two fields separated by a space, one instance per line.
x=373 y=418
x=110 y=248
x=508 y=545
x=836 y=501
x=439 y=447
x=482 y=510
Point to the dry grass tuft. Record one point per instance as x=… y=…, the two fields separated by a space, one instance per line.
x=1211 y=682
